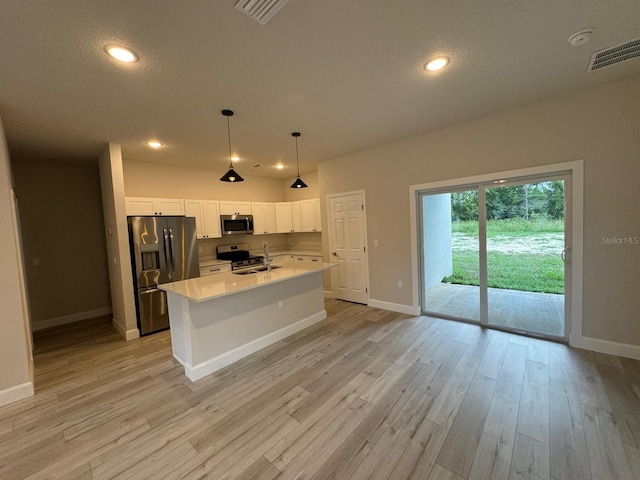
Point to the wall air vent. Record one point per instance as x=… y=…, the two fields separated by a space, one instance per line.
x=613 y=55
x=261 y=10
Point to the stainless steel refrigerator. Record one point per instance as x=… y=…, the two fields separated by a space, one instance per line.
x=163 y=249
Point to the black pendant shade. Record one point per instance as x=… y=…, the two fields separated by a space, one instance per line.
x=231 y=175
x=298 y=183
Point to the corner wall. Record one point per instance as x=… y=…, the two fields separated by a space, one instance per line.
x=117 y=235
x=600 y=125
x=16 y=377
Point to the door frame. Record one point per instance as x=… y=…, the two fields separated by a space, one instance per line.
x=574 y=194
x=328 y=199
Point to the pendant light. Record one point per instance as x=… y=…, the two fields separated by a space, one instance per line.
x=298 y=183
x=231 y=175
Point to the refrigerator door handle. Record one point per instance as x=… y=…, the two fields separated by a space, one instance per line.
x=173 y=259
x=167 y=256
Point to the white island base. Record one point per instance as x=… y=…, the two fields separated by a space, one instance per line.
x=219 y=319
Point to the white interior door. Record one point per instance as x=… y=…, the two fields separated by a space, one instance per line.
x=348 y=247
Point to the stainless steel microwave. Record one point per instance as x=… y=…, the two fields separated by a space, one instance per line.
x=236 y=224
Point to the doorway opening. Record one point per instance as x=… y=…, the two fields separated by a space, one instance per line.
x=497 y=253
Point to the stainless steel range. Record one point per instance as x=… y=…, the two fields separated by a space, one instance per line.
x=239 y=256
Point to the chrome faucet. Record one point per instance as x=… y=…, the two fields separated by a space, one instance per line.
x=267 y=260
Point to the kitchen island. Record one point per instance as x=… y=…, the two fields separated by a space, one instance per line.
x=219 y=319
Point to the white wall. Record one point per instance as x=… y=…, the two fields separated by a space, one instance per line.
x=15 y=347
x=62 y=227
x=117 y=237
x=600 y=125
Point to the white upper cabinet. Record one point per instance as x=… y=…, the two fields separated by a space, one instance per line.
x=207 y=215
x=154 y=206
x=283 y=217
x=235 y=208
x=264 y=218
x=296 y=219
x=310 y=215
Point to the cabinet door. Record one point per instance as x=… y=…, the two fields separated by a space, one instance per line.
x=243 y=208
x=193 y=208
x=170 y=206
x=227 y=208
x=259 y=227
x=318 y=216
x=296 y=224
x=139 y=206
x=211 y=218
x=270 y=217
x=307 y=216
x=283 y=217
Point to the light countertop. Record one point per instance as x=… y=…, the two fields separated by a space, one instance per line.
x=201 y=289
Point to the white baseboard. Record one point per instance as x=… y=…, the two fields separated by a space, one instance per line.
x=16 y=393
x=394 y=307
x=75 y=317
x=606 y=346
x=205 y=368
x=126 y=334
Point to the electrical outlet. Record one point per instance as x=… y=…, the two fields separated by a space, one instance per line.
x=399 y=283
x=280 y=303
x=375 y=243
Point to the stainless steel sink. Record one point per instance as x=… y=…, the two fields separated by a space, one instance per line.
x=255 y=270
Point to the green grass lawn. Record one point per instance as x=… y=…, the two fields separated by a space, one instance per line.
x=526 y=272
x=530 y=272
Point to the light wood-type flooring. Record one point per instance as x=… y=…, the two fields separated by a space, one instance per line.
x=367 y=394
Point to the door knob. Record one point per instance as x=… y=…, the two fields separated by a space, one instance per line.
x=334 y=254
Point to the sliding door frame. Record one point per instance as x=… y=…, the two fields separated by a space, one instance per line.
x=571 y=173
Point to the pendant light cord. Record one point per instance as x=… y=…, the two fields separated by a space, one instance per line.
x=229 y=140
x=297 y=161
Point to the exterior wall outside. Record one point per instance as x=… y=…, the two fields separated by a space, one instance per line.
x=436 y=226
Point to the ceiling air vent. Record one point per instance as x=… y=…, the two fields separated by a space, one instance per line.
x=613 y=55
x=261 y=10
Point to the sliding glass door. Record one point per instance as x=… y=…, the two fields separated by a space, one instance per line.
x=497 y=254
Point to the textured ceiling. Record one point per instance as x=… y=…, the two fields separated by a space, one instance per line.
x=348 y=74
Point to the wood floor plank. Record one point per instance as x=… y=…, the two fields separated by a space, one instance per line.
x=569 y=458
x=345 y=460
x=440 y=473
x=625 y=401
x=460 y=447
x=533 y=414
x=106 y=408
x=493 y=457
x=509 y=386
x=308 y=462
x=446 y=405
x=607 y=455
x=530 y=459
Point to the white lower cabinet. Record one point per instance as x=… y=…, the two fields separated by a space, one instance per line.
x=213 y=269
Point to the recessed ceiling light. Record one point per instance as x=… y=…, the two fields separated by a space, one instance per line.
x=154 y=144
x=279 y=166
x=235 y=158
x=437 y=63
x=121 y=54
